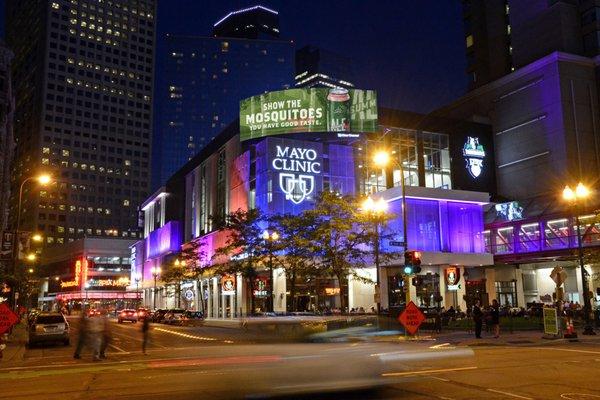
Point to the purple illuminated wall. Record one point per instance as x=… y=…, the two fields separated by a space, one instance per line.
x=436 y=225
x=166 y=239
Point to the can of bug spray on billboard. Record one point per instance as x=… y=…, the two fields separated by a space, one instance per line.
x=338 y=119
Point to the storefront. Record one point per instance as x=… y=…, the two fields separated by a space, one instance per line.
x=287 y=148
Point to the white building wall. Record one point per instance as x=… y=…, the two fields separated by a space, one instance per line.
x=279 y=290
x=361 y=294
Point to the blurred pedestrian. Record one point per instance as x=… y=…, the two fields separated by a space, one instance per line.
x=83 y=334
x=495 y=318
x=477 y=318
x=106 y=333
x=145 y=333
x=95 y=333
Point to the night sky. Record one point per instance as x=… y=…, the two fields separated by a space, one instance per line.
x=410 y=51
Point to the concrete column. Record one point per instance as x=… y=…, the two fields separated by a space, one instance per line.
x=520 y=291
x=490 y=283
x=241 y=295
x=209 y=306
x=384 y=291
x=279 y=290
x=460 y=293
x=215 y=296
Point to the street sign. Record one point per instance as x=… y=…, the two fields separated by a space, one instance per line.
x=550 y=321
x=411 y=318
x=396 y=243
x=7 y=318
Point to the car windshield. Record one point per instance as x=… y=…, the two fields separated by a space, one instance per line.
x=50 y=319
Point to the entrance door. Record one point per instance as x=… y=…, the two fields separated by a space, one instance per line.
x=475 y=290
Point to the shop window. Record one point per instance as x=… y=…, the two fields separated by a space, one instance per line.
x=506 y=293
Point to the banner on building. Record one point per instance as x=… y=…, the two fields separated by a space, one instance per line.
x=452 y=278
x=346 y=112
x=228 y=285
x=6 y=249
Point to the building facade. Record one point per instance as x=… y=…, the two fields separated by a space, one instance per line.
x=88 y=273
x=316 y=67
x=7 y=140
x=83 y=80
x=445 y=219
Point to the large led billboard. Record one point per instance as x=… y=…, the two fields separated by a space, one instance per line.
x=346 y=112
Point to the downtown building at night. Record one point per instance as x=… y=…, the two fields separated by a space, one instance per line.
x=203 y=78
x=83 y=79
x=447 y=171
x=533 y=72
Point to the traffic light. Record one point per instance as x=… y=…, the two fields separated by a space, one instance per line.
x=412 y=262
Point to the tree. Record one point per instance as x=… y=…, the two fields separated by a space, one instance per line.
x=194 y=257
x=297 y=260
x=175 y=274
x=244 y=249
x=339 y=238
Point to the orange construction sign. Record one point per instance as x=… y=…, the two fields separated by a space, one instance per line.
x=7 y=318
x=411 y=318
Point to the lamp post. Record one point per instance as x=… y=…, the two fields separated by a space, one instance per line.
x=270 y=238
x=155 y=273
x=382 y=159
x=43 y=179
x=137 y=278
x=574 y=197
x=375 y=209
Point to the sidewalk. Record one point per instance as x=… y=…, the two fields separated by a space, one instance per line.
x=15 y=346
x=462 y=338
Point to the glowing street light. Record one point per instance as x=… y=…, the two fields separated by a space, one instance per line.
x=574 y=197
x=155 y=273
x=44 y=179
x=31 y=257
x=37 y=237
x=381 y=159
x=375 y=209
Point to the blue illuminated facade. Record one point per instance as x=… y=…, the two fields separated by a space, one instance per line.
x=198 y=93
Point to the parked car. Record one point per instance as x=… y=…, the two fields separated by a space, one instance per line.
x=158 y=315
x=49 y=327
x=192 y=318
x=142 y=313
x=127 y=315
x=173 y=317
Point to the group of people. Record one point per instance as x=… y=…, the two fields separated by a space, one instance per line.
x=95 y=333
x=491 y=315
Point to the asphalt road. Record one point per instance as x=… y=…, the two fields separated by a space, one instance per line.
x=220 y=363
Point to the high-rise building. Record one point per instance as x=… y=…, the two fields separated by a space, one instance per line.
x=83 y=82
x=504 y=35
x=256 y=22
x=316 y=67
x=534 y=66
x=202 y=82
x=7 y=143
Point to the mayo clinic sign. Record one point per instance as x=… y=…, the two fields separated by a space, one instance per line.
x=296 y=167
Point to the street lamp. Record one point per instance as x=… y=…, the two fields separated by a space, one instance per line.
x=87 y=286
x=382 y=159
x=375 y=209
x=270 y=238
x=155 y=273
x=31 y=257
x=37 y=238
x=43 y=179
x=137 y=278
x=574 y=197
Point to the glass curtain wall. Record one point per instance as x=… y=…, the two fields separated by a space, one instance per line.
x=425 y=159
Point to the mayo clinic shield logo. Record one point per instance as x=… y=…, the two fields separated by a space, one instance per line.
x=297 y=188
x=474 y=154
x=297 y=167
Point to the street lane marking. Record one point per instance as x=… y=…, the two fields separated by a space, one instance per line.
x=428 y=371
x=570 y=350
x=509 y=394
x=579 y=396
x=188 y=336
x=440 y=379
x=118 y=348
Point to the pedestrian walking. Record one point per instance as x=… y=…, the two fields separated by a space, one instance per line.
x=495 y=318
x=145 y=333
x=477 y=318
x=106 y=333
x=83 y=334
x=96 y=331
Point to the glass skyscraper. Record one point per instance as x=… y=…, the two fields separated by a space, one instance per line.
x=203 y=81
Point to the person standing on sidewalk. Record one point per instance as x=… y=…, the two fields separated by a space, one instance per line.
x=495 y=318
x=145 y=333
x=106 y=333
x=477 y=318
